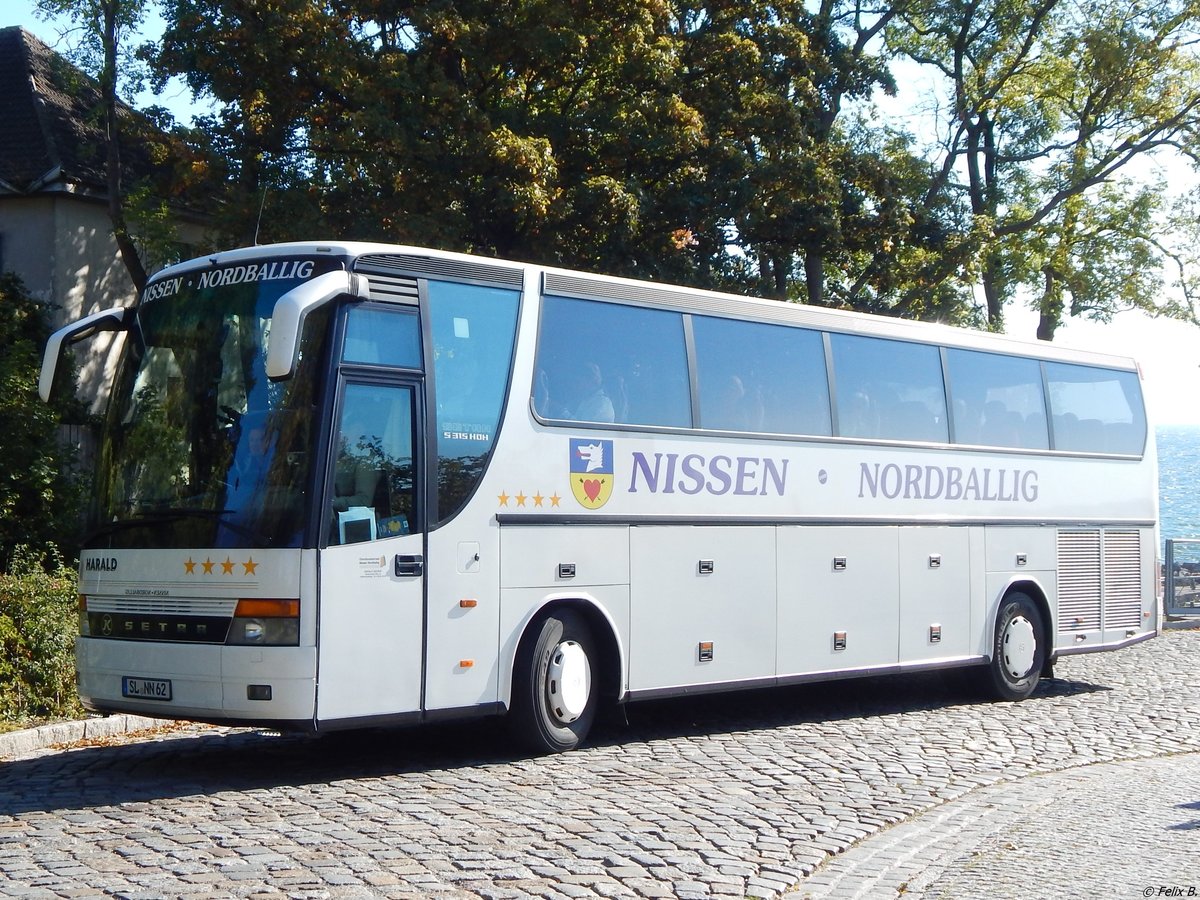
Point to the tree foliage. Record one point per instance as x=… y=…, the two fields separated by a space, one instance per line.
x=698 y=142
x=39 y=496
x=723 y=143
x=1050 y=104
x=102 y=27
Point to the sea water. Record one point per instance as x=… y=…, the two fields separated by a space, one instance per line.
x=1178 y=481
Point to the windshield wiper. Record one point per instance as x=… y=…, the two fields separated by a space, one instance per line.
x=174 y=515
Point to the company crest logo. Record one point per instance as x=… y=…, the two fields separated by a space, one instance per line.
x=591 y=472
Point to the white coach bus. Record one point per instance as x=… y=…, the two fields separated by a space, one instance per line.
x=349 y=484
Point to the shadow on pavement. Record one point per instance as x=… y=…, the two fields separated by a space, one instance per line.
x=241 y=760
x=1193 y=825
x=825 y=701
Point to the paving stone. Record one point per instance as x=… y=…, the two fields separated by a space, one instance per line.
x=874 y=788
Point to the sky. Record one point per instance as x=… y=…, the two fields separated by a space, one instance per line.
x=176 y=96
x=1167 y=351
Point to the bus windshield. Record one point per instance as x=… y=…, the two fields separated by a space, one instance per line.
x=199 y=448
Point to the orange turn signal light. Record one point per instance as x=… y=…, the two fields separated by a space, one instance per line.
x=267 y=609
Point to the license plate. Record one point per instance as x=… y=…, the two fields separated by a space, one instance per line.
x=145 y=688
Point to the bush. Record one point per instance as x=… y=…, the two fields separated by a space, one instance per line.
x=39 y=521
x=38 y=624
x=39 y=496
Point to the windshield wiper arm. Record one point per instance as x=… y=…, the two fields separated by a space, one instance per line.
x=173 y=515
x=122 y=524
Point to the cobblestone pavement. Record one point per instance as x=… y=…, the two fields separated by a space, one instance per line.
x=701 y=797
x=1123 y=829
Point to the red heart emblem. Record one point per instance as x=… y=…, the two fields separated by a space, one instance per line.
x=591 y=487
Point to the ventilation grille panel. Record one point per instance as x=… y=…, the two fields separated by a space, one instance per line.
x=1122 y=579
x=191 y=606
x=392 y=288
x=1099 y=580
x=1078 y=580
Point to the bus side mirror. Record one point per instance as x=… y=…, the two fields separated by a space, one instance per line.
x=108 y=320
x=287 y=319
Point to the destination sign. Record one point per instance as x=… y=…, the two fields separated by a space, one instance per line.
x=241 y=273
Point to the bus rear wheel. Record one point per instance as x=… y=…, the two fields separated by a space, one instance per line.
x=1018 y=649
x=554 y=685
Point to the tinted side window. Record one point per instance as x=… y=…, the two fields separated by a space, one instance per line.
x=998 y=400
x=374 y=484
x=889 y=389
x=765 y=378
x=473 y=330
x=382 y=337
x=1096 y=410
x=604 y=362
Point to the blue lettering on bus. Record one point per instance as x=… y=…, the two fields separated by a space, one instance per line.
x=693 y=469
x=718 y=468
x=911 y=482
x=666 y=473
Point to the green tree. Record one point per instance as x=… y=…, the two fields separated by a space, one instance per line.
x=1179 y=245
x=275 y=69
x=102 y=28
x=697 y=142
x=787 y=191
x=497 y=127
x=39 y=495
x=718 y=143
x=1050 y=103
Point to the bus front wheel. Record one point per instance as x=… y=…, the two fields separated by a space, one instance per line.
x=1018 y=648
x=554 y=685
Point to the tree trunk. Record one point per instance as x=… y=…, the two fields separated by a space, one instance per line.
x=116 y=201
x=1050 y=309
x=814 y=277
x=993 y=292
x=1047 y=325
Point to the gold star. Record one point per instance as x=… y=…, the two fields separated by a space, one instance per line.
x=538 y=498
x=227 y=566
x=521 y=498
x=190 y=566
x=250 y=566
x=503 y=498
x=554 y=498
x=208 y=564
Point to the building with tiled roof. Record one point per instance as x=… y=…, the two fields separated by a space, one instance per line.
x=48 y=142
x=55 y=230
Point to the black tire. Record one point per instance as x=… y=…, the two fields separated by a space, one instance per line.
x=554 y=684
x=1019 y=648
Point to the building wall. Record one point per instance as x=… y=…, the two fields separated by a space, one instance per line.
x=88 y=276
x=27 y=242
x=61 y=245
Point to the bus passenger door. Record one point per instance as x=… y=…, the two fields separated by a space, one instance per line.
x=372 y=570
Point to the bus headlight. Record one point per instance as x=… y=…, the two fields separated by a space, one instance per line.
x=85 y=627
x=265 y=623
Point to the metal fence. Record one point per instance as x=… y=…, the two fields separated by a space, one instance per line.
x=1181 y=578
